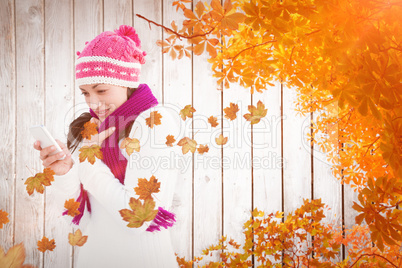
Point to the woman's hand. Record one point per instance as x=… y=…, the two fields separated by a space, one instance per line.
x=100 y=137
x=60 y=167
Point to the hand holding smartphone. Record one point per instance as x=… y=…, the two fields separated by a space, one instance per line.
x=40 y=133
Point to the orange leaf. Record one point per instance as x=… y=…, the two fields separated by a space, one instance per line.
x=14 y=258
x=3 y=218
x=77 y=239
x=130 y=145
x=146 y=188
x=187 y=145
x=72 y=206
x=187 y=111
x=230 y=112
x=90 y=153
x=213 y=121
x=221 y=140
x=256 y=113
x=45 y=244
x=169 y=140
x=89 y=130
x=154 y=119
x=139 y=213
x=202 y=149
x=48 y=176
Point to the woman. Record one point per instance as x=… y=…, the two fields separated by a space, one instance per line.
x=107 y=72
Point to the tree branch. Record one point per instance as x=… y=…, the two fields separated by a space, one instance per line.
x=375 y=255
x=253 y=46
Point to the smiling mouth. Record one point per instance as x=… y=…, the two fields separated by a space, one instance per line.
x=103 y=113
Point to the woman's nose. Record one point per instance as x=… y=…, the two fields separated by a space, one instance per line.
x=94 y=103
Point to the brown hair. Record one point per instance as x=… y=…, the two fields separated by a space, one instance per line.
x=74 y=135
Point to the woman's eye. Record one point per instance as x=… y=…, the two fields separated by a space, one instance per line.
x=84 y=93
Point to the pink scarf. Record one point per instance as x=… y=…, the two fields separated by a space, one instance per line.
x=140 y=100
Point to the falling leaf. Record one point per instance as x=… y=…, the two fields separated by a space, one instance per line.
x=90 y=153
x=139 y=213
x=169 y=140
x=89 y=130
x=35 y=183
x=187 y=145
x=77 y=239
x=72 y=207
x=187 y=111
x=130 y=145
x=213 y=121
x=3 y=218
x=202 y=149
x=230 y=112
x=154 y=119
x=14 y=258
x=45 y=244
x=146 y=188
x=48 y=176
x=221 y=140
x=256 y=113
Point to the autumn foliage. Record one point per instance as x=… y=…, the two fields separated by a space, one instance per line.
x=343 y=58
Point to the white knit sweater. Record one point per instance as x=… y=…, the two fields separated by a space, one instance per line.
x=110 y=242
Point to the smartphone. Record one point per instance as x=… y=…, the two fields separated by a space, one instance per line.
x=40 y=133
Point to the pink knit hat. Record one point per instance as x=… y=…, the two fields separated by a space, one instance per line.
x=111 y=58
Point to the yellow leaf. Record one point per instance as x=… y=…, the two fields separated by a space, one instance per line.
x=221 y=140
x=256 y=113
x=130 y=145
x=90 y=153
x=187 y=145
x=77 y=239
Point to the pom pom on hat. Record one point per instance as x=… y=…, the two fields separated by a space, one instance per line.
x=112 y=57
x=125 y=30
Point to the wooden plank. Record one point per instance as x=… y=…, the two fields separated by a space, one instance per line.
x=207 y=167
x=297 y=159
x=237 y=181
x=326 y=186
x=7 y=124
x=116 y=13
x=29 y=210
x=88 y=23
x=177 y=92
x=267 y=159
x=151 y=71
x=59 y=97
x=297 y=181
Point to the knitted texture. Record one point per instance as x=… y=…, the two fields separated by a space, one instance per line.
x=111 y=58
x=140 y=100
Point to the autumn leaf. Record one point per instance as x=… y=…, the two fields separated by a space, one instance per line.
x=154 y=119
x=169 y=140
x=213 y=121
x=202 y=149
x=45 y=244
x=256 y=113
x=35 y=183
x=187 y=145
x=89 y=130
x=77 y=239
x=48 y=176
x=14 y=258
x=139 y=213
x=90 y=153
x=221 y=140
x=230 y=112
x=72 y=207
x=3 y=218
x=130 y=145
x=187 y=111
x=145 y=188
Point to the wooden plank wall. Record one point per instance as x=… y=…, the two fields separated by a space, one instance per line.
x=269 y=166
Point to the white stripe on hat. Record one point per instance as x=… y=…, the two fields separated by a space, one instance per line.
x=109 y=60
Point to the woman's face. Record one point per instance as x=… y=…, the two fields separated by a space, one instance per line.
x=103 y=99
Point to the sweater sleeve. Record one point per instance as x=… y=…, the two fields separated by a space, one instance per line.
x=100 y=182
x=67 y=186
